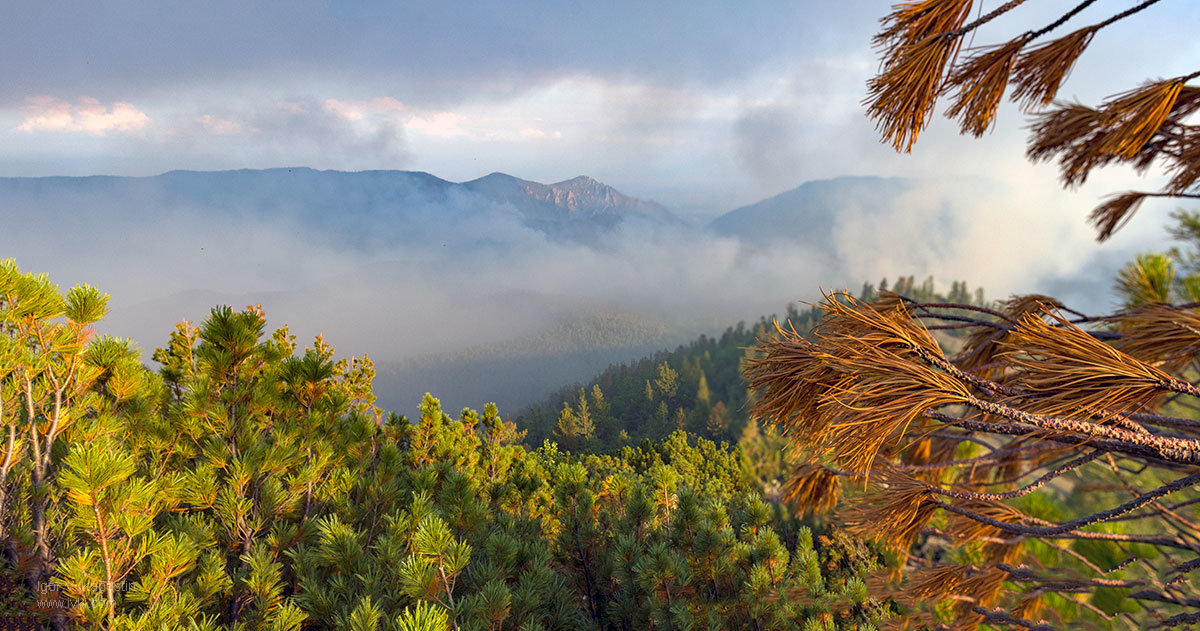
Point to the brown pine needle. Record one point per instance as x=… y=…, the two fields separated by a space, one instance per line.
x=913 y=21
x=984 y=585
x=954 y=581
x=1161 y=335
x=1030 y=606
x=966 y=529
x=812 y=488
x=1074 y=131
x=1135 y=116
x=1114 y=213
x=1185 y=167
x=983 y=344
x=936 y=582
x=894 y=514
x=1040 y=71
x=1135 y=128
x=1187 y=103
x=857 y=388
x=1068 y=369
x=980 y=81
x=902 y=97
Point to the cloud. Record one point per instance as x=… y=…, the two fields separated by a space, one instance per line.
x=46 y=113
x=324 y=133
x=307 y=127
x=440 y=52
x=766 y=142
x=359 y=110
x=218 y=125
x=439 y=124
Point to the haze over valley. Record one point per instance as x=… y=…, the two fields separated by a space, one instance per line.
x=498 y=288
x=432 y=184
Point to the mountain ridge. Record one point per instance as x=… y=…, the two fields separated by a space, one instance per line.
x=576 y=209
x=809 y=210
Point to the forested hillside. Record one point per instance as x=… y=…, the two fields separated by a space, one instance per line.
x=698 y=387
x=250 y=483
x=515 y=372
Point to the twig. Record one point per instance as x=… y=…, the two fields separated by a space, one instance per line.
x=1095 y=518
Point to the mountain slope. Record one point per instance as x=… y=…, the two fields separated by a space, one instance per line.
x=810 y=213
x=344 y=206
x=580 y=197
x=515 y=372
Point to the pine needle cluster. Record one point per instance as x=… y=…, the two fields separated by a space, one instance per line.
x=920 y=44
x=1053 y=454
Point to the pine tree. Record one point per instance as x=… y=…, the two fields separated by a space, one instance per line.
x=607 y=425
x=662 y=420
x=587 y=427
x=702 y=393
x=718 y=422
x=666 y=381
x=252 y=484
x=43 y=347
x=574 y=427
x=114 y=511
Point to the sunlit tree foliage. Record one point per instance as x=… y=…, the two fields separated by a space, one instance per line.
x=253 y=484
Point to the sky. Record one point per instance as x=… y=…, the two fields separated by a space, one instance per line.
x=700 y=105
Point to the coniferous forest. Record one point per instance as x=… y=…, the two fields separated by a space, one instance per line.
x=249 y=482
x=697 y=388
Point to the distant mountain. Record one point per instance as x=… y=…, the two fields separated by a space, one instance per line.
x=345 y=206
x=477 y=290
x=811 y=213
x=582 y=197
x=574 y=209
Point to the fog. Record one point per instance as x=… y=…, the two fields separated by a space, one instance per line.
x=453 y=274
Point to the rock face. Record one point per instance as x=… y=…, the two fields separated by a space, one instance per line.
x=584 y=195
x=568 y=208
x=353 y=205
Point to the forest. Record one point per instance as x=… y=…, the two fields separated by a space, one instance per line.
x=697 y=388
x=251 y=483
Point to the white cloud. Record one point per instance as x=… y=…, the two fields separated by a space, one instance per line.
x=348 y=111
x=359 y=110
x=440 y=124
x=46 y=113
x=218 y=125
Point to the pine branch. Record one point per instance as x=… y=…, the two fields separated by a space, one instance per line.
x=1060 y=21
x=996 y=616
x=1066 y=527
x=991 y=15
x=1025 y=490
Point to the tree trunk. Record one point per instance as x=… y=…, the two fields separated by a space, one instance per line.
x=102 y=535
